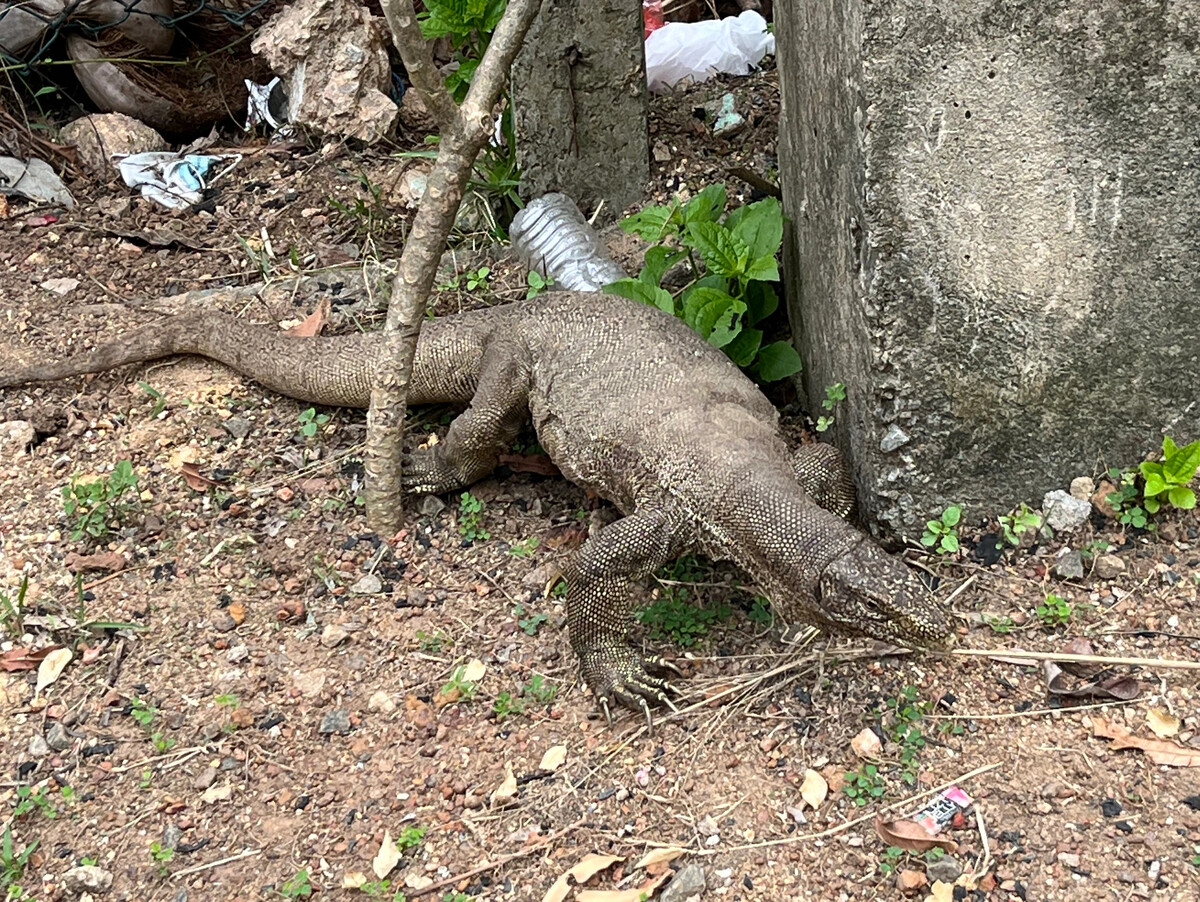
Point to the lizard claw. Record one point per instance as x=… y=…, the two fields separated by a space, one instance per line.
x=627 y=682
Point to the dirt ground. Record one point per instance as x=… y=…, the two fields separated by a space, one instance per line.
x=262 y=692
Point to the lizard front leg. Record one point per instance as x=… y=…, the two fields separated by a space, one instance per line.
x=476 y=437
x=599 y=613
x=822 y=472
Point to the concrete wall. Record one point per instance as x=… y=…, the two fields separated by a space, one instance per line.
x=995 y=238
x=580 y=102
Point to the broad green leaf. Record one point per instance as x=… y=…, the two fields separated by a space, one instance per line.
x=1152 y=505
x=637 y=290
x=765 y=269
x=715 y=315
x=777 y=361
x=723 y=254
x=1182 y=497
x=707 y=206
x=653 y=223
x=952 y=515
x=1155 y=484
x=950 y=543
x=743 y=349
x=658 y=261
x=1169 y=448
x=761 y=302
x=1181 y=465
x=759 y=226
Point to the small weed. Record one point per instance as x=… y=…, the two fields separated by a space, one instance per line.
x=456 y=897
x=760 y=612
x=833 y=394
x=410 y=837
x=942 y=533
x=682 y=622
x=147 y=779
x=864 y=785
x=934 y=854
x=312 y=422
x=537 y=284
x=525 y=548
x=464 y=687
x=536 y=690
x=529 y=623
x=950 y=728
x=379 y=889
x=472 y=280
x=1001 y=623
x=1169 y=478
x=30 y=800
x=162 y=856
x=162 y=744
x=1055 y=611
x=904 y=728
x=1014 y=526
x=539 y=690
x=228 y=700
x=12 y=611
x=1124 y=499
x=92 y=505
x=470 y=518
x=13 y=863
x=1196 y=857
x=890 y=860
x=298 y=887
x=432 y=642
x=160 y=400
x=506 y=706
x=142 y=711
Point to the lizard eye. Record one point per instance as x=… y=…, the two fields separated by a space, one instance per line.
x=873 y=608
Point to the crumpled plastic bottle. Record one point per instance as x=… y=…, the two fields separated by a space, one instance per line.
x=551 y=236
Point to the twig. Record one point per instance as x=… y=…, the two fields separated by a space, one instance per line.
x=191 y=752
x=970 y=580
x=986 y=861
x=1075 y=659
x=496 y=862
x=187 y=872
x=1034 y=712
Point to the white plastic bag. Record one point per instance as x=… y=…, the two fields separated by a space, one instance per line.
x=172 y=180
x=695 y=51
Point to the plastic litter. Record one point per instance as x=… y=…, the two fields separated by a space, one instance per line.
x=35 y=180
x=172 y=180
x=551 y=236
x=652 y=16
x=266 y=103
x=695 y=51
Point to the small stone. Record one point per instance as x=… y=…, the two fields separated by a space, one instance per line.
x=1069 y=859
x=61 y=287
x=237 y=654
x=333 y=635
x=946 y=869
x=1064 y=513
x=381 y=702
x=38 y=747
x=432 y=505
x=688 y=884
x=1110 y=807
x=309 y=683
x=1109 y=566
x=205 y=778
x=1069 y=564
x=15 y=437
x=727 y=120
x=336 y=721
x=238 y=427
x=170 y=836
x=1083 y=487
x=910 y=881
x=894 y=438
x=87 y=878
x=1100 y=499
x=662 y=153
x=223 y=623
x=368 y=585
x=58 y=738
x=100 y=135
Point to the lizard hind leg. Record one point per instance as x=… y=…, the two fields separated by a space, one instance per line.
x=476 y=436
x=599 y=613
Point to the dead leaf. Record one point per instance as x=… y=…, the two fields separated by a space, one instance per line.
x=1079 y=646
x=658 y=857
x=1120 y=686
x=814 y=789
x=105 y=560
x=196 y=481
x=1160 y=751
x=237 y=610
x=554 y=758
x=583 y=871
x=638 y=894
x=474 y=671
x=941 y=892
x=866 y=744
x=507 y=790
x=291 y=611
x=387 y=857
x=217 y=794
x=22 y=658
x=354 y=880
x=312 y=324
x=1163 y=723
x=51 y=668
x=911 y=881
x=911 y=836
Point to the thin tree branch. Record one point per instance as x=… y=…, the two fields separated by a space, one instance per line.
x=418 y=61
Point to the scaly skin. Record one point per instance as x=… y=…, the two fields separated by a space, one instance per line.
x=628 y=402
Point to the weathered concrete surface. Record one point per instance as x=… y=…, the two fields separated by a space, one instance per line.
x=580 y=99
x=995 y=238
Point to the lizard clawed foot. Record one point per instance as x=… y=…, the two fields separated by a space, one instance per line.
x=625 y=679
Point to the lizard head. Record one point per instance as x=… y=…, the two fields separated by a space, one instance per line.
x=867 y=592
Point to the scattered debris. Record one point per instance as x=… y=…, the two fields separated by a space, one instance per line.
x=34 y=180
x=1160 y=751
x=387 y=857
x=170 y=179
x=814 y=789
x=695 y=51
x=1119 y=686
x=866 y=744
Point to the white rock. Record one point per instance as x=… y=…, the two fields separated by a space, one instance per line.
x=1083 y=487
x=1064 y=513
x=87 y=878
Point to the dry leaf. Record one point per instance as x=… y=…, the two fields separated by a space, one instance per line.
x=911 y=881
x=587 y=868
x=866 y=744
x=312 y=324
x=1160 y=751
x=1163 y=723
x=508 y=789
x=354 y=880
x=911 y=836
x=104 y=560
x=217 y=794
x=51 y=668
x=814 y=789
x=645 y=891
x=1121 y=687
x=657 y=857
x=237 y=610
x=474 y=671
x=554 y=758
x=22 y=658
x=387 y=857
x=941 y=892
x=196 y=480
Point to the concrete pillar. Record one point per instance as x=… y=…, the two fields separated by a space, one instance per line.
x=580 y=104
x=994 y=238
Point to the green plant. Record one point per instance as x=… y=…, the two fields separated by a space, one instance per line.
x=529 y=623
x=760 y=612
x=162 y=744
x=673 y=615
x=432 y=642
x=1000 y=623
x=863 y=785
x=160 y=400
x=1169 y=478
x=833 y=394
x=93 y=504
x=539 y=690
x=458 y=683
x=162 y=856
x=227 y=700
x=470 y=518
x=456 y=897
x=537 y=284
x=469 y=25
x=13 y=863
x=904 y=727
x=890 y=860
x=506 y=705
x=1196 y=857
x=378 y=889
x=142 y=711
x=1055 y=611
x=12 y=611
x=312 y=422
x=410 y=837
x=727 y=303
x=1015 y=525
x=30 y=799
x=524 y=548
x=298 y=887
x=146 y=779
x=1124 y=498
x=942 y=533
x=935 y=854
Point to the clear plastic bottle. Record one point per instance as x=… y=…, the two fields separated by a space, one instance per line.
x=551 y=236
